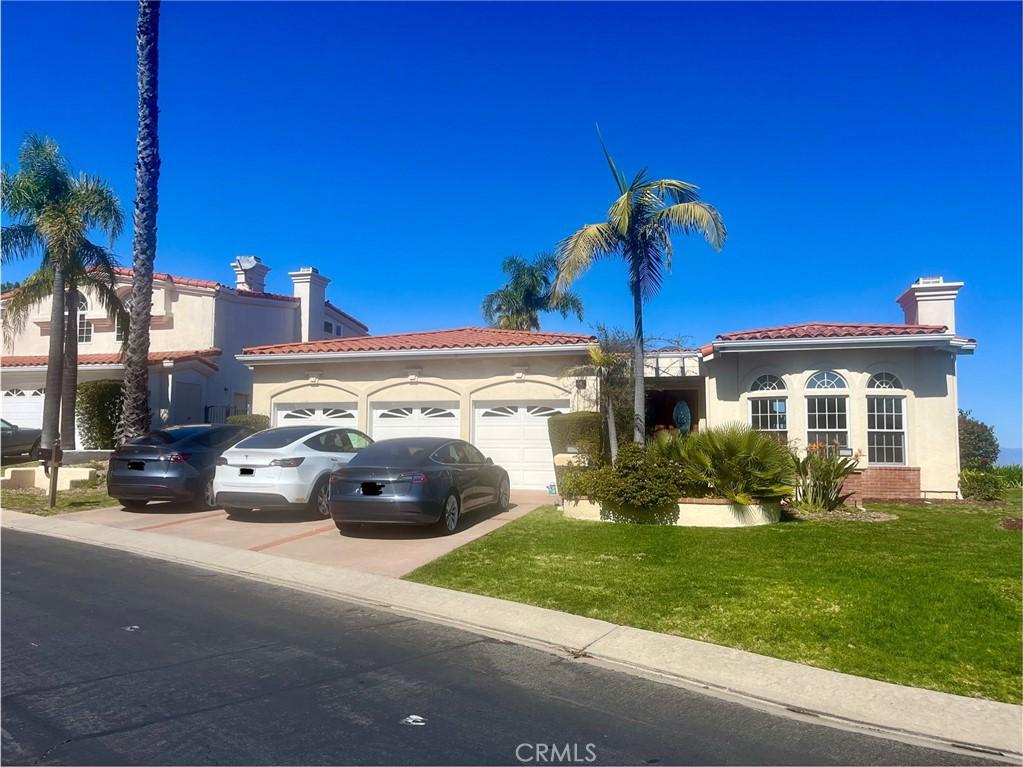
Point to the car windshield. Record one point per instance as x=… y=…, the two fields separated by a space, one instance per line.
x=273 y=438
x=394 y=453
x=169 y=436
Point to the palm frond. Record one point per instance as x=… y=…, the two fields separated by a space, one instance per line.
x=577 y=252
x=673 y=191
x=34 y=290
x=618 y=175
x=98 y=204
x=19 y=241
x=699 y=217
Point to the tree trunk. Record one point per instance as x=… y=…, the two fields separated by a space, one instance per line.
x=69 y=384
x=135 y=417
x=612 y=429
x=54 y=367
x=639 y=434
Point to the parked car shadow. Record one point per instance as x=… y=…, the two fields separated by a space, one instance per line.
x=284 y=516
x=167 y=507
x=414 y=532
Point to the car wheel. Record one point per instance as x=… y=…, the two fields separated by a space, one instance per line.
x=206 y=498
x=319 y=503
x=452 y=513
x=132 y=503
x=503 y=494
x=33 y=452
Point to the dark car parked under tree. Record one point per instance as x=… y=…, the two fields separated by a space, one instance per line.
x=416 y=481
x=172 y=464
x=19 y=440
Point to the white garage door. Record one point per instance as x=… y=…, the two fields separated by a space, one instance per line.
x=336 y=414
x=515 y=436
x=23 y=407
x=415 y=421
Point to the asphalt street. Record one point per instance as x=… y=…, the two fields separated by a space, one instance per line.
x=111 y=658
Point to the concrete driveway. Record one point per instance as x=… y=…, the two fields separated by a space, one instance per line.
x=384 y=550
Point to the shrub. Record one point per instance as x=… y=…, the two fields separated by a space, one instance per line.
x=97 y=410
x=733 y=462
x=583 y=430
x=255 y=422
x=978 y=446
x=1012 y=476
x=981 y=485
x=574 y=481
x=820 y=475
x=639 y=487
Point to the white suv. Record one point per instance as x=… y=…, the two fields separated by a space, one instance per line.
x=284 y=468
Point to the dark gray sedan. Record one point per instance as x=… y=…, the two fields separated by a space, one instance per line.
x=173 y=464
x=416 y=481
x=19 y=440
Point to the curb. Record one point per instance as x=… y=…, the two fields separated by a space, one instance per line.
x=939 y=719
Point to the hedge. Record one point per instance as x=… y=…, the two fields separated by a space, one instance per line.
x=255 y=421
x=981 y=485
x=97 y=410
x=583 y=430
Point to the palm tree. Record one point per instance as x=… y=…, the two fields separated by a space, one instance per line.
x=52 y=213
x=528 y=291
x=135 y=415
x=609 y=364
x=639 y=227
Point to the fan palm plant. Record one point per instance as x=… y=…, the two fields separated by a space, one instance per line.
x=639 y=227
x=52 y=214
x=135 y=415
x=528 y=292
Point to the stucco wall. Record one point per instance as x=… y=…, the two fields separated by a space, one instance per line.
x=476 y=379
x=929 y=378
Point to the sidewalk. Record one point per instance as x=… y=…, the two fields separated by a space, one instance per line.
x=934 y=718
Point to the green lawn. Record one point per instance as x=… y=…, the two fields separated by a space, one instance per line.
x=90 y=496
x=932 y=599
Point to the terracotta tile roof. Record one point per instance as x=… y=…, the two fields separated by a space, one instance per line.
x=164 y=277
x=830 y=330
x=115 y=358
x=457 y=338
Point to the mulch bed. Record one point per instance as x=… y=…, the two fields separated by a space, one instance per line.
x=1011 y=523
x=841 y=515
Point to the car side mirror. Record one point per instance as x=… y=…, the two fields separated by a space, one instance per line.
x=489 y=461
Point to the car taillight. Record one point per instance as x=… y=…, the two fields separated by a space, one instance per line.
x=221 y=461
x=287 y=463
x=176 y=457
x=415 y=477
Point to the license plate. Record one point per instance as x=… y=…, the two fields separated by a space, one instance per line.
x=246 y=472
x=137 y=465
x=372 y=488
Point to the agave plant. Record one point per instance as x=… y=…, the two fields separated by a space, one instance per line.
x=820 y=476
x=733 y=462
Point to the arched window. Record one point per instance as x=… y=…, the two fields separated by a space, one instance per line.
x=121 y=328
x=768 y=412
x=768 y=382
x=826 y=379
x=884 y=380
x=827 y=416
x=84 y=326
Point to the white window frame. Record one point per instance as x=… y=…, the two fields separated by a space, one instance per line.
x=885 y=385
x=844 y=398
x=85 y=328
x=770 y=396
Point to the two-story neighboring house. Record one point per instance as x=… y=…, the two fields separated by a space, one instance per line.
x=197 y=328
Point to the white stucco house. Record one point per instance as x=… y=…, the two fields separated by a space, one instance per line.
x=886 y=391
x=198 y=326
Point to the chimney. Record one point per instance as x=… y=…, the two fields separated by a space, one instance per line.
x=310 y=289
x=931 y=301
x=249 y=273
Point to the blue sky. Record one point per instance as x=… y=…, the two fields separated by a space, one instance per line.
x=405 y=150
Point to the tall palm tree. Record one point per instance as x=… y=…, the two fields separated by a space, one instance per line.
x=52 y=214
x=529 y=290
x=639 y=227
x=135 y=415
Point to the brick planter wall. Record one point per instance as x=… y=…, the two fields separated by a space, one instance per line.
x=883 y=483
